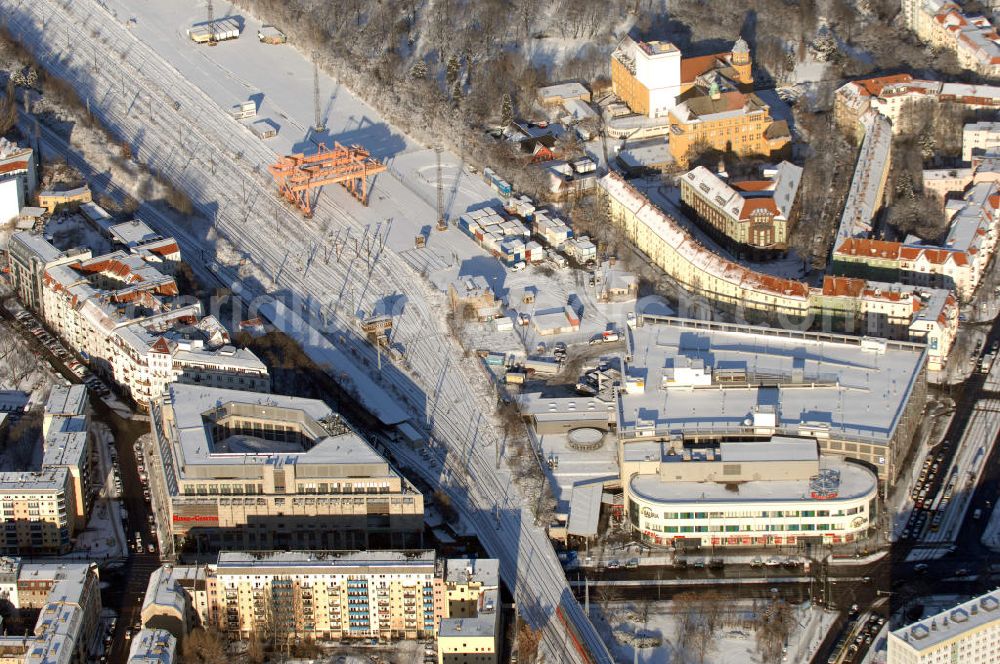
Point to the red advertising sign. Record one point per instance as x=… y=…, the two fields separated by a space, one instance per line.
x=194 y=519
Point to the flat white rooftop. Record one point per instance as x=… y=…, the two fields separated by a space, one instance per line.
x=712 y=377
x=321 y=561
x=855 y=482
x=66 y=400
x=133 y=233
x=191 y=403
x=934 y=630
x=462 y=570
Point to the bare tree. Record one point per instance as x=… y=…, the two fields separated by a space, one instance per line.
x=204 y=646
x=8 y=109
x=698 y=620
x=773 y=624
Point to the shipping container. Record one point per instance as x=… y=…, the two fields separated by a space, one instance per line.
x=243 y=110
x=268 y=34
x=541 y=366
x=219 y=30
x=515 y=377
x=264 y=129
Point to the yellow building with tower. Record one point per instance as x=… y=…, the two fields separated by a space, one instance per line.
x=701 y=102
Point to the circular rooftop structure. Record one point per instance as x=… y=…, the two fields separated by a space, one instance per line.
x=586 y=439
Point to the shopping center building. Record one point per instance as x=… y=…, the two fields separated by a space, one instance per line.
x=233 y=469
x=703 y=382
x=745 y=493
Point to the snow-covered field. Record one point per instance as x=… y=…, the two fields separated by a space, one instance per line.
x=402 y=201
x=734 y=641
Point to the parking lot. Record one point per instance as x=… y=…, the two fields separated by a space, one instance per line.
x=28 y=321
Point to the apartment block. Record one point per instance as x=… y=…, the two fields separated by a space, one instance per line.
x=42 y=508
x=958 y=264
x=969 y=633
x=331 y=595
x=980 y=138
x=69 y=599
x=895 y=311
x=752 y=218
x=153 y=646
x=945 y=25
x=892 y=96
x=120 y=312
x=28 y=256
x=242 y=470
x=469 y=634
x=66 y=443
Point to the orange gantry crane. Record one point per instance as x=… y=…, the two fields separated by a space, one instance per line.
x=298 y=174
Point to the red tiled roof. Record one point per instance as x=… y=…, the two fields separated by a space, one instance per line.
x=752 y=185
x=13 y=166
x=751 y=205
x=692 y=68
x=774 y=284
x=841 y=286
x=873 y=86
x=165 y=249
x=161 y=346
x=855 y=246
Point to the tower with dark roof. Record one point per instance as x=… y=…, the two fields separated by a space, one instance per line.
x=741 y=61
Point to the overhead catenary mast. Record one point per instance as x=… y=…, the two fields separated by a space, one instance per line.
x=211 y=28
x=442 y=223
x=318 y=125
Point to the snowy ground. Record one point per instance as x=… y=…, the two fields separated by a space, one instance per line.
x=734 y=642
x=103 y=538
x=403 y=200
x=22 y=369
x=991 y=534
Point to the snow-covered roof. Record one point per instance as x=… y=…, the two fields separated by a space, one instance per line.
x=152 y=646
x=468 y=570
x=864 y=196
x=325 y=562
x=38 y=245
x=133 y=233
x=585 y=509
x=931 y=632
x=855 y=482
x=66 y=400
x=579 y=109
x=194 y=444
x=851 y=388
x=562 y=91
